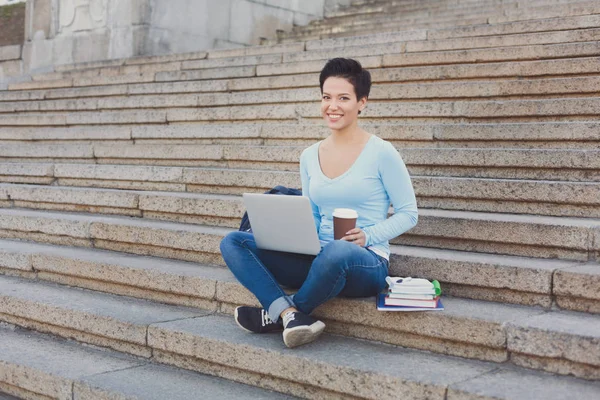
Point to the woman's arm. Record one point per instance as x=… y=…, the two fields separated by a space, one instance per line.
x=397 y=184
x=305 y=189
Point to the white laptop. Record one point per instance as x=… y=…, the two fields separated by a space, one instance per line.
x=282 y=223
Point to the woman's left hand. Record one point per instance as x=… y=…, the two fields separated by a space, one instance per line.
x=356 y=236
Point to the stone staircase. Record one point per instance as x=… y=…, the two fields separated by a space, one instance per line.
x=120 y=178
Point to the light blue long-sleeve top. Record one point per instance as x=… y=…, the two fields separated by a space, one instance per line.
x=377 y=178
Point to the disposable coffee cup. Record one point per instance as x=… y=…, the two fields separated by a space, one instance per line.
x=344 y=219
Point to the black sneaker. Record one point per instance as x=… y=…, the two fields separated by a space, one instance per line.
x=300 y=329
x=256 y=320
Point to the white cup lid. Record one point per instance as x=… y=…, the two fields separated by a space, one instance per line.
x=345 y=213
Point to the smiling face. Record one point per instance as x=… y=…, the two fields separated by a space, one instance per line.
x=339 y=105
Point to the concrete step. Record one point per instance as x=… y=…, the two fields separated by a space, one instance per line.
x=106 y=371
x=519 y=53
x=527 y=335
x=312 y=63
x=468 y=187
x=551 y=135
x=533 y=68
x=508 y=279
x=478 y=189
x=252 y=70
x=23 y=100
x=39 y=366
x=491 y=111
x=387 y=26
x=216 y=53
x=408 y=15
x=409 y=20
x=159 y=66
x=570 y=36
x=552 y=164
x=514 y=89
x=556 y=11
x=521 y=235
x=435 y=8
x=538 y=25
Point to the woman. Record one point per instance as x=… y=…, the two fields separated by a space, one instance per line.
x=349 y=169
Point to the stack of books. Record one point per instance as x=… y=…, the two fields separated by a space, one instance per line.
x=410 y=294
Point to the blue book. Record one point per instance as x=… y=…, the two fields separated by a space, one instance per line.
x=382 y=307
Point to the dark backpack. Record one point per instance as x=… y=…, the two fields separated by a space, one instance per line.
x=245 y=224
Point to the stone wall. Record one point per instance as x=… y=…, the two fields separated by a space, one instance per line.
x=12 y=24
x=74 y=31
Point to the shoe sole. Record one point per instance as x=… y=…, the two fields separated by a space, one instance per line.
x=300 y=335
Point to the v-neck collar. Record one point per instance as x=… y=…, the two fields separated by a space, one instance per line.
x=328 y=179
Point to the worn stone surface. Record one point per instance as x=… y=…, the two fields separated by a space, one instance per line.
x=310 y=66
x=118 y=172
x=187 y=203
x=115 y=80
x=122 y=184
x=532 y=52
x=248 y=377
x=581 y=281
x=144 y=272
x=161 y=382
x=48 y=366
x=366 y=40
x=195 y=131
x=507 y=189
x=546 y=131
x=322 y=358
x=507 y=383
x=179 y=236
x=60 y=83
x=556 y=366
x=45 y=223
x=230 y=62
x=488 y=70
x=49 y=151
x=90 y=312
x=201 y=74
x=529 y=230
x=81 y=196
x=515 y=273
x=504 y=40
x=353 y=51
x=116 y=117
x=486 y=89
x=178 y=152
x=272 y=82
x=148 y=101
x=563 y=335
x=27 y=169
x=256 y=50
x=258 y=179
x=234 y=113
x=70 y=133
x=33 y=119
x=565 y=23
x=560 y=10
x=178 y=87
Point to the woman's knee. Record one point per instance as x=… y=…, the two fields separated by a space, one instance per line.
x=336 y=254
x=233 y=240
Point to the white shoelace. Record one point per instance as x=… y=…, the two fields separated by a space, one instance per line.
x=266 y=320
x=289 y=316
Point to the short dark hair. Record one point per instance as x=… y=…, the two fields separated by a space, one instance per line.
x=352 y=71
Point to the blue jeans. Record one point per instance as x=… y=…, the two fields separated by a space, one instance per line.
x=341 y=268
